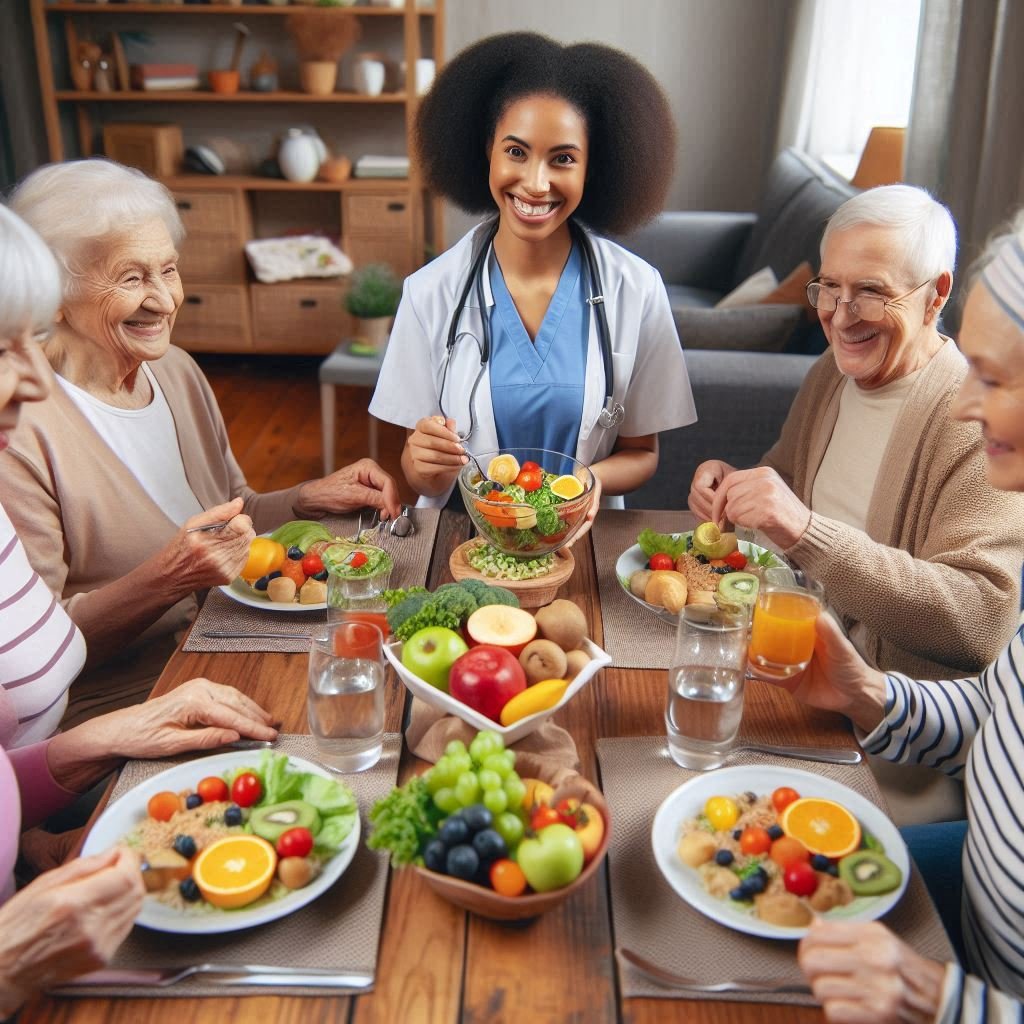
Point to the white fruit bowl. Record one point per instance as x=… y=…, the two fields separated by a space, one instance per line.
x=509 y=733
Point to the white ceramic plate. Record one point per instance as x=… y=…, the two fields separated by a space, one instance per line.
x=240 y=591
x=509 y=733
x=688 y=801
x=633 y=558
x=121 y=817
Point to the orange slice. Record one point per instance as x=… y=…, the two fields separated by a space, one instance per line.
x=567 y=487
x=235 y=871
x=823 y=826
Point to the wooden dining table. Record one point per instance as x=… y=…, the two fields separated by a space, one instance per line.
x=438 y=963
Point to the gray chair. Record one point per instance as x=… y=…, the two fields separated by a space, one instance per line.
x=742 y=400
x=343 y=368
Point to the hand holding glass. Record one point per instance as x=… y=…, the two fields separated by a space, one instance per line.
x=782 y=632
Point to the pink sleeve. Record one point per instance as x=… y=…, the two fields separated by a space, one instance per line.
x=41 y=795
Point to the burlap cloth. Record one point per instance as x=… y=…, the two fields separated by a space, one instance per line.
x=648 y=917
x=338 y=930
x=219 y=612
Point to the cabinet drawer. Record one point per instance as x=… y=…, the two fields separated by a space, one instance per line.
x=213 y=318
x=381 y=214
x=299 y=317
x=215 y=258
x=210 y=213
x=395 y=252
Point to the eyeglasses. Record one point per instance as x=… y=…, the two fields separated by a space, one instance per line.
x=863 y=307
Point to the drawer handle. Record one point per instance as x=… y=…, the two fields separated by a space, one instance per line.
x=194 y=300
x=307 y=303
x=183 y=204
x=396 y=207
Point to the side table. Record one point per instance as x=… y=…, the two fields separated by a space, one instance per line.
x=341 y=367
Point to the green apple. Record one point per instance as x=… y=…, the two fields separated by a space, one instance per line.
x=551 y=860
x=430 y=653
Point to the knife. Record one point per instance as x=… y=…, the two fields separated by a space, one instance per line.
x=222 y=974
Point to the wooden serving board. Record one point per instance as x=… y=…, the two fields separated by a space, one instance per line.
x=533 y=593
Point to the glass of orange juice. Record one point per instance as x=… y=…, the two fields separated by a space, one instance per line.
x=782 y=631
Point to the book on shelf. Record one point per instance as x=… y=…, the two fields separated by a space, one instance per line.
x=164 y=76
x=381 y=167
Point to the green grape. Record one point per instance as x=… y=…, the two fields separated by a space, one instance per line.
x=489 y=780
x=467 y=789
x=510 y=827
x=455 y=747
x=495 y=800
x=515 y=790
x=445 y=772
x=461 y=763
x=484 y=744
x=497 y=763
x=446 y=800
x=434 y=781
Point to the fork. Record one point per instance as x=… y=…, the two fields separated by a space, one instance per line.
x=668 y=979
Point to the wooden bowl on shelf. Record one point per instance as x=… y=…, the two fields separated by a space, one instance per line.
x=533 y=593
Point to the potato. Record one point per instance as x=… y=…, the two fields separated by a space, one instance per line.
x=666 y=588
x=281 y=590
x=831 y=892
x=638 y=582
x=295 y=872
x=783 y=908
x=701 y=597
x=313 y=592
x=696 y=848
x=563 y=622
x=719 y=881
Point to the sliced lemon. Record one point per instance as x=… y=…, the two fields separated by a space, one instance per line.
x=710 y=542
x=567 y=487
x=235 y=871
x=503 y=469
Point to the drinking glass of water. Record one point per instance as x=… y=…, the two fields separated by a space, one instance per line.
x=346 y=695
x=705 y=686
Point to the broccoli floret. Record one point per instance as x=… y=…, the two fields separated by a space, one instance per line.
x=497 y=595
x=449 y=607
x=476 y=587
x=548 y=521
x=516 y=493
x=406 y=608
x=394 y=597
x=541 y=497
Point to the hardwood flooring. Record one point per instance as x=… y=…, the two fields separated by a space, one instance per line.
x=271 y=405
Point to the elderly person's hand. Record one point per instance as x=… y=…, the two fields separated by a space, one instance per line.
x=706 y=480
x=195 y=561
x=760 y=500
x=863 y=974
x=362 y=485
x=67 y=922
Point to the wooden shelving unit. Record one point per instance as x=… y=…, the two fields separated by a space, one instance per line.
x=379 y=220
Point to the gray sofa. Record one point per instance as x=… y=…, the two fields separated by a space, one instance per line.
x=742 y=401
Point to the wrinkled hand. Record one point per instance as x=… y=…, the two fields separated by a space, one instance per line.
x=67 y=922
x=595 y=507
x=706 y=480
x=434 y=448
x=760 y=500
x=863 y=974
x=194 y=561
x=361 y=485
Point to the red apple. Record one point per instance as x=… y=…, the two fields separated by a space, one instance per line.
x=486 y=678
x=501 y=626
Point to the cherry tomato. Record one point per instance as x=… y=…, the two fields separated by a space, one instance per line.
x=507 y=878
x=800 y=879
x=162 y=806
x=736 y=560
x=532 y=467
x=212 y=789
x=544 y=816
x=246 y=789
x=721 y=812
x=755 y=840
x=661 y=561
x=312 y=564
x=783 y=797
x=568 y=812
x=296 y=842
x=358 y=559
x=786 y=851
x=530 y=479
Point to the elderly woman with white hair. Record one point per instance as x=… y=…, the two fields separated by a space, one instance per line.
x=110 y=477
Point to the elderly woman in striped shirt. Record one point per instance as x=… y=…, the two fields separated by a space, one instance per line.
x=967 y=727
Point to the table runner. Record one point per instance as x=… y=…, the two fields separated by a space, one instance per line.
x=634 y=636
x=412 y=562
x=338 y=930
x=648 y=917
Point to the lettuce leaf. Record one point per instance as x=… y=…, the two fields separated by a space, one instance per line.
x=652 y=543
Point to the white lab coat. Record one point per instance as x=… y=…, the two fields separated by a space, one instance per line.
x=650 y=375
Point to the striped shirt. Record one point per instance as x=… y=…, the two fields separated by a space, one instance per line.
x=41 y=649
x=974 y=728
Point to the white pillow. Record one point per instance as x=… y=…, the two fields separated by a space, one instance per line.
x=284 y=259
x=748 y=293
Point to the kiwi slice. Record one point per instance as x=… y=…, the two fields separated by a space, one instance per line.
x=869 y=873
x=737 y=589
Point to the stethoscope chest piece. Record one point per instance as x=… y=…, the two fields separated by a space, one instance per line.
x=611 y=415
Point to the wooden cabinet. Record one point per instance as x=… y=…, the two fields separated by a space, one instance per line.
x=214 y=318
x=311 y=314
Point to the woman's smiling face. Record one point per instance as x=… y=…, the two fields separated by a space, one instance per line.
x=538 y=165
x=25 y=376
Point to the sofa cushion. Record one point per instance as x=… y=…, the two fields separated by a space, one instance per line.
x=683 y=296
x=744 y=328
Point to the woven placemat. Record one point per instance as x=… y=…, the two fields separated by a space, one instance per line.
x=338 y=931
x=648 y=917
x=412 y=562
x=634 y=636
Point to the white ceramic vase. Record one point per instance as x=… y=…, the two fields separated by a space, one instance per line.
x=299 y=156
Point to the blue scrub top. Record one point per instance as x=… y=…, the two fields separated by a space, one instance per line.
x=537 y=386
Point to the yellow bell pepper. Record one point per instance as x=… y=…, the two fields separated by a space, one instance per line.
x=539 y=697
x=265 y=555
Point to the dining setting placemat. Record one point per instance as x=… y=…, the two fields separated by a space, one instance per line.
x=637 y=774
x=220 y=613
x=339 y=931
x=633 y=635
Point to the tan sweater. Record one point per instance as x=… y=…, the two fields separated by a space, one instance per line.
x=934 y=576
x=85 y=520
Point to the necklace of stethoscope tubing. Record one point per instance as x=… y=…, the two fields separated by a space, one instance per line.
x=612 y=412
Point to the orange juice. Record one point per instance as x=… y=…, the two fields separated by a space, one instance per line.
x=356 y=639
x=782 y=634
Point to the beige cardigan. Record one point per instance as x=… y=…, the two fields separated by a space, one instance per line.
x=85 y=520
x=934 y=577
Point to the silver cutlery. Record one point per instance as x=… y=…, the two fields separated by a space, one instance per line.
x=403 y=526
x=668 y=979
x=228 y=634
x=210 y=528
x=250 y=744
x=483 y=476
x=224 y=974
x=821 y=754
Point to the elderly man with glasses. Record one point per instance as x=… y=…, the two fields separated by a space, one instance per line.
x=871 y=487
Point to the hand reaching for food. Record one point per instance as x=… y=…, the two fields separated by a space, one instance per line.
x=434 y=448
x=363 y=484
x=706 y=480
x=759 y=499
x=196 y=559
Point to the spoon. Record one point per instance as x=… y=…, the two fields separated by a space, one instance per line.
x=403 y=526
x=822 y=754
x=495 y=486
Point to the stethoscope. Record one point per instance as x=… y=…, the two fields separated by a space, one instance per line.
x=612 y=412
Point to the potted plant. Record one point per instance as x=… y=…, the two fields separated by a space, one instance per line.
x=321 y=37
x=372 y=299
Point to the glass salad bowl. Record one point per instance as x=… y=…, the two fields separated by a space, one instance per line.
x=531 y=501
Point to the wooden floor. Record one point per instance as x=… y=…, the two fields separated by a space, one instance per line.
x=271 y=405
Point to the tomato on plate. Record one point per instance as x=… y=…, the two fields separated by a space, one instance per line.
x=783 y=797
x=530 y=479
x=544 y=816
x=312 y=564
x=163 y=806
x=296 y=842
x=737 y=560
x=507 y=878
x=800 y=879
x=661 y=561
x=786 y=850
x=755 y=840
x=212 y=789
x=246 y=789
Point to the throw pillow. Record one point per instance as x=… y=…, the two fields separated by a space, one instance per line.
x=755 y=328
x=751 y=291
x=792 y=290
x=285 y=259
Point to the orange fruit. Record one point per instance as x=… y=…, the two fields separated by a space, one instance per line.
x=823 y=826
x=235 y=871
x=567 y=487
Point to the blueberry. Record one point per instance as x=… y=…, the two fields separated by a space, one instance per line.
x=736 y=833
x=739 y=894
x=261 y=583
x=833 y=870
x=189 y=890
x=489 y=845
x=434 y=855
x=185 y=845
x=192 y=801
x=760 y=872
x=724 y=857
x=454 y=831
x=477 y=817
x=754 y=884
x=775 y=832
x=233 y=815
x=273 y=575
x=462 y=862
x=321 y=575
x=702 y=559
x=820 y=862
x=720 y=570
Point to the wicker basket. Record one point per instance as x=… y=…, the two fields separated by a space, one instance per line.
x=533 y=593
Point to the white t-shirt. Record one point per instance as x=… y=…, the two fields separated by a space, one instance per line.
x=147 y=443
